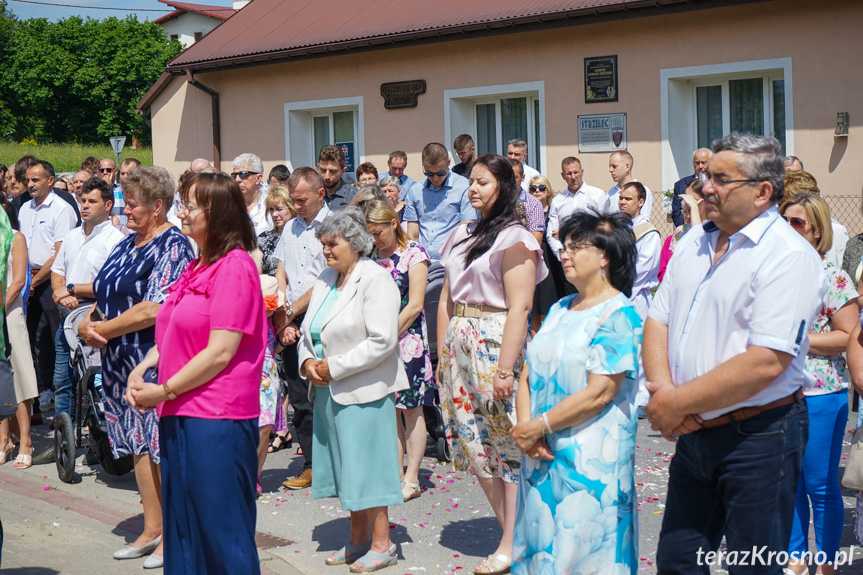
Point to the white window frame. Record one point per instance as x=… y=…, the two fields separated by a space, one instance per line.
x=678 y=107
x=460 y=111
x=300 y=131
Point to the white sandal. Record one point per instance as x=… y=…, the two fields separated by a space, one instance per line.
x=498 y=564
x=410 y=491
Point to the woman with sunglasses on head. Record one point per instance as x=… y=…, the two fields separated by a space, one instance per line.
x=492 y=265
x=826 y=392
x=552 y=287
x=694 y=214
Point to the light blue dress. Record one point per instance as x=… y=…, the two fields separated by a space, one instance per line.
x=577 y=514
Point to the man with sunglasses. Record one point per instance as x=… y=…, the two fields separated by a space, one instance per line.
x=725 y=344
x=248 y=172
x=437 y=207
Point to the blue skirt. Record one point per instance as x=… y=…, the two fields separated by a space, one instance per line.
x=209 y=469
x=355 y=452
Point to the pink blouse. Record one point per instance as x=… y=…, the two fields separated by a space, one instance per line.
x=482 y=281
x=223 y=295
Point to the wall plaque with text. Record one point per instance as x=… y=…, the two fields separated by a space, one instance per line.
x=601 y=133
x=402 y=94
x=600 y=79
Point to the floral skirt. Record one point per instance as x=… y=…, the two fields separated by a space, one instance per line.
x=477 y=425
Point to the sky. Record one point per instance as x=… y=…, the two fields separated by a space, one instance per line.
x=95 y=8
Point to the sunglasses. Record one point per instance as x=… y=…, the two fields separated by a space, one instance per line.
x=106 y=170
x=541 y=188
x=244 y=174
x=796 y=223
x=436 y=174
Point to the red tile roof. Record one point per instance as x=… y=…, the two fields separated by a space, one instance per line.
x=180 y=8
x=267 y=30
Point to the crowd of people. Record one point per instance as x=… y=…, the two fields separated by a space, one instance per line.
x=236 y=315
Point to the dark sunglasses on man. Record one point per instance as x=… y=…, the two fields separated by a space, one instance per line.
x=244 y=174
x=436 y=174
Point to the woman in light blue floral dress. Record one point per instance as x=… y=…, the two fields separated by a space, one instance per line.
x=577 y=416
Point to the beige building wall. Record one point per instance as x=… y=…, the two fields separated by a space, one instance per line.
x=822 y=41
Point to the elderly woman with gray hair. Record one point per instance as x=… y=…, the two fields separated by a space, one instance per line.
x=391 y=187
x=130 y=289
x=349 y=352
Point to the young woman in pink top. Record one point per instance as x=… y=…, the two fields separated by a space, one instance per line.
x=211 y=335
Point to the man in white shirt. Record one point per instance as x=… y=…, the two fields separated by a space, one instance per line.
x=81 y=255
x=620 y=167
x=517 y=150
x=45 y=220
x=577 y=196
x=648 y=243
x=301 y=260
x=725 y=346
x=249 y=174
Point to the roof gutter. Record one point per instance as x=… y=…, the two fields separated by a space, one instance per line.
x=217 y=132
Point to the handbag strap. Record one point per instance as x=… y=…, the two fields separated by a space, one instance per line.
x=6 y=338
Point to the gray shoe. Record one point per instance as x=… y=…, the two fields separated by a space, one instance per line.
x=153 y=562
x=48 y=455
x=128 y=552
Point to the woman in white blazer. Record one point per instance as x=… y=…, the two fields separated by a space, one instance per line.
x=349 y=352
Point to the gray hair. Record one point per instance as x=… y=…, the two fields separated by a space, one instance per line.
x=151 y=183
x=788 y=160
x=249 y=159
x=390 y=181
x=518 y=143
x=349 y=224
x=761 y=159
x=708 y=150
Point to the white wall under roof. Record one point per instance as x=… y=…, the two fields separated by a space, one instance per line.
x=187 y=24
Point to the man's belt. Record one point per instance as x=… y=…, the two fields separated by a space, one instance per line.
x=747 y=412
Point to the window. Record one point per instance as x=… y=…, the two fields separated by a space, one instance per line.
x=175 y=37
x=494 y=115
x=309 y=126
x=753 y=105
x=198 y=36
x=701 y=103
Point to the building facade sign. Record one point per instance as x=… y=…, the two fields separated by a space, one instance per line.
x=600 y=79
x=599 y=133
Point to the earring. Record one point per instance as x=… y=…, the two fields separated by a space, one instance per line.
x=602 y=272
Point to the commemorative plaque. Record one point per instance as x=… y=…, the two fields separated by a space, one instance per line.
x=402 y=94
x=601 y=133
x=600 y=79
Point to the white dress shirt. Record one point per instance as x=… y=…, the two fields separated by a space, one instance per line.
x=259 y=216
x=614 y=197
x=45 y=225
x=646 y=268
x=566 y=203
x=764 y=291
x=302 y=255
x=80 y=258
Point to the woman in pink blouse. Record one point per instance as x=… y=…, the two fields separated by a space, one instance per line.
x=212 y=334
x=492 y=266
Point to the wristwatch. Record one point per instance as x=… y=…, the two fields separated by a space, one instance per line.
x=71 y=289
x=289 y=310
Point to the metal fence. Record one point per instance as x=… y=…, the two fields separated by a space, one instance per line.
x=844 y=209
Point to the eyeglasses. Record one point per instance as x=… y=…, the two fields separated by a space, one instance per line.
x=189 y=208
x=719 y=183
x=436 y=174
x=106 y=170
x=541 y=188
x=244 y=174
x=796 y=223
x=571 y=249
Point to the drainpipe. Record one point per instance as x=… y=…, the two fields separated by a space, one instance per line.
x=217 y=138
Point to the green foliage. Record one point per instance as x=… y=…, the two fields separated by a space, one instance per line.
x=68 y=157
x=77 y=80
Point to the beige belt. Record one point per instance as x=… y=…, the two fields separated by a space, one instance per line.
x=476 y=310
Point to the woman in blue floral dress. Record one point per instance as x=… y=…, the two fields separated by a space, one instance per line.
x=129 y=290
x=576 y=413
x=408 y=263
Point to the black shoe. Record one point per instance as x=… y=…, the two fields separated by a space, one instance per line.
x=48 y=455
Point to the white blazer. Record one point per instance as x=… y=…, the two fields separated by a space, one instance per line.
x=359 y=336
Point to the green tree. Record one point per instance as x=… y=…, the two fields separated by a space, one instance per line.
x=79 y=80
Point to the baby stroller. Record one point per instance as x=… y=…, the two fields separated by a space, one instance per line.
x=85 y=362
x=431 y=401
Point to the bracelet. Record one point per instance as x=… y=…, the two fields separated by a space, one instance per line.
x=545 y=424
x=505 y=374
x=168 y=392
